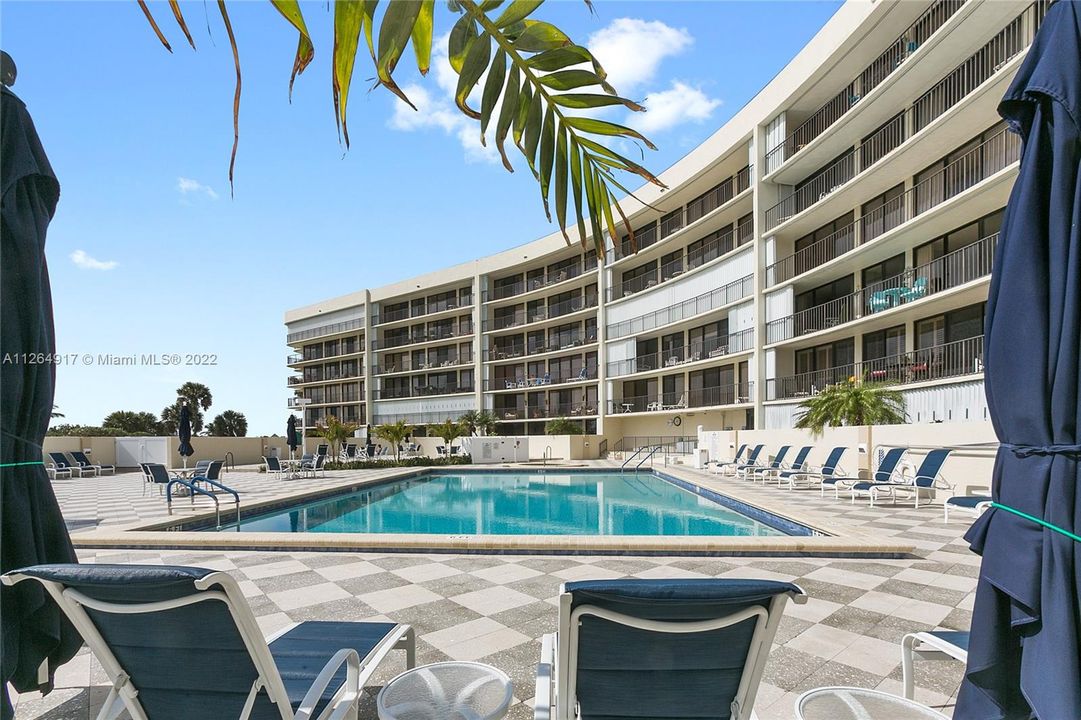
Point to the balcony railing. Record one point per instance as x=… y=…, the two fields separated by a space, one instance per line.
x=954 y=359
x=721 y=243
x=331 y=329
x=407 y=365
x=949 y=271
x=949 y=91
x=882 y=67
x=722 y=296
x=714 y=347
x=555 y=344
x=994 y=155
x=431 y=336
x=544 y=312
x=545 y=412
x=717 y=396
x=423 y=391
x=436 y=306
x=570 y=272
x=538 y=383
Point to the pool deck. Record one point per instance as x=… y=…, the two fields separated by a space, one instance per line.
x=262 y=494
x=494 y=607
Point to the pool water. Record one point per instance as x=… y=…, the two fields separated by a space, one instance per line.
x=516 y=504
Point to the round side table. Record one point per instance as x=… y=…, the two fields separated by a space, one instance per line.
x=850 y=703
x=446 y=691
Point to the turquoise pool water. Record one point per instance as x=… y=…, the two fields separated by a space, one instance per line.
x=516 y=504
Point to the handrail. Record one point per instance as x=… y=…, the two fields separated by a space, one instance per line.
x=632 y=457
x=652 y=451
x=193 y=489
x=230 y=461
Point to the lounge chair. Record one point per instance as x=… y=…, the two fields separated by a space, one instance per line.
x=928 y=479
x=273 y=466
x=83 y=461
x=440 y=450
x=54 y=472
x=182 y=642
x=737 y=458
x=159 y=476
x=887 y=469
x=678 y=405
x=148 y=476
x=583 y=374
x=742 y=467
x=315 y=466
x=823 y=475
x=60 y=462
x=211 y=473
x=936 y=645
x=789 y=469
x=974 y=504
x=753 y=471
x=659 y=648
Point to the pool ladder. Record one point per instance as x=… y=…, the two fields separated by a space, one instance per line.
x=194 y=490
x=547 y=456
x=649 y=450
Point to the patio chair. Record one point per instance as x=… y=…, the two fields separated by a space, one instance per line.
x=751 y=460
x=273 y=466
x=776 y=464
x=182 y=642
x=735 y=459
x=148 y=477
x=887 y=468
x=315 y=466
x=159 y=476
x=322 y=449
x=823 y=475
x=60 y=462
x=788 y=469
x=583 y=374
x=678 y=405
x=655 y=405
x=659 y=648
x=83 y=461
x=440 y=450
x=974 y=503
x=54 y=472
x=935 y=645
x=928 y=479
x=211 y=473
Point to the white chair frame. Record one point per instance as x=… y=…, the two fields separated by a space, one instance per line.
x=927 y=647
x=124 y=695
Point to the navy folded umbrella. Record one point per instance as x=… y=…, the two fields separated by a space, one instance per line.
x=32 y=530
x=184 y=434
x=1025 y=648
x=291 y=433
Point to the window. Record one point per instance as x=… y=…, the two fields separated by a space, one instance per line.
x=884 y=270
x=671 y=222
x=840 y=355
x=639 y=278
x=709 y=201
x=841 y=238
x=882 y=213
x=672 y=348
x=884 y=343
x=643 y=237
x=745 y=229
x=671 y=265
x=712 y=246
x=506 y=286
x=824 y=293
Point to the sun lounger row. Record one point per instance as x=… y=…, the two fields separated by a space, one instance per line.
x=78 y=466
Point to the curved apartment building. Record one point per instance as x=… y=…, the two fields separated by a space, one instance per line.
x=842 y=224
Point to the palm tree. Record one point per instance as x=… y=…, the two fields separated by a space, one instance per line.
x=562 y=426
x=198 y=398
x=479 y=422
x=534 y=76
x=395 y=434
x=448 y=430
x=229 y=424
x=55 y=413
x=336 y=432
x=852 y=403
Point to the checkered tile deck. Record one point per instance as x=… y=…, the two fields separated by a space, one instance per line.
x=495 y=608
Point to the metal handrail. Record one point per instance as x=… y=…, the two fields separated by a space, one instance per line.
x=632 y=457
x=194 y=489
x=652 y=451
x=230 y=461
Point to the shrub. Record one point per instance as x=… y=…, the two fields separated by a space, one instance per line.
x=408 y=462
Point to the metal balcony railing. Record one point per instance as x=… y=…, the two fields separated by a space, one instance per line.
x=428 y=308
x=720 y=243
x=948 y=360
x=813 y=190
x=544 y=312
x=423 y=391
x=994 y=155
x=331 y=329
x=671 y=222
x=407 y=365
x=555 y=344
x=394 y=341
x=545 y=412
x=714 y=347
x=543 y=382
x=518 y=287
x=722 y=296
x=882 y=67
x=716 y=396
x=949 y=271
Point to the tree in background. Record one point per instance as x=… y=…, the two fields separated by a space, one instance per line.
x=336 y=432
x=479 y=422
x=851 y=404
x=536 y=84
x=449 y=431
x=562 y=426
x=198 y=398
x=67 y=430
x=395 y=434
x=133 y=422
x=229 y=424
x=56 y=413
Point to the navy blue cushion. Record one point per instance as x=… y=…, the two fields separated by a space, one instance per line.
x=954 y=637
x=968 y=501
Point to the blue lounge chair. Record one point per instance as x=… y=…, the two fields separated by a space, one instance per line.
x=975 y=504
x=754 y=471
x=787 y=470
x=182 y=642
x=936 y=645
x=60 y=464
x=885 y=472
x=659 y=649
x=751 y=460
x=736 y=459
x=823 y=475
x=927 y=480
x=83 y=461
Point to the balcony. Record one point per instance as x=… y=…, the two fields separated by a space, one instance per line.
x=687 y=310
x=881 y=68
x=711 y=348
x=997 y=153
x=717 y=396
x=945 y=94
x=542 y=313
x=536 y=283
x=423 y=391
x=940 y=362
x=332 y=329
x=546 y=412
x=428 y=309
x=424 y=337
x=954 y=269
x=554 y=345
x=406 y=365
x=535 y=383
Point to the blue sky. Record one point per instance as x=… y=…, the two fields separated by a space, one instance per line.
x=149 y=254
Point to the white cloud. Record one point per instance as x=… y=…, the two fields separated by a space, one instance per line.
x=439 y=111
x=84 y=261
x=187 y=186
x=631 y=50
x=678 y=104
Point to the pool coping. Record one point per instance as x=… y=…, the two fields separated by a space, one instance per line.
x=830 y=540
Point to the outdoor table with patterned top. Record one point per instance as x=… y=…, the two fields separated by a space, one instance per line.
x=446 y=691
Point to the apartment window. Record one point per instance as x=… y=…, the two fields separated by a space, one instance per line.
x=591 y=364
x=565 y=266
x=671 y=265
x=395 y=311
x=671 y=222
x=535 y=342
x=465 y=352
x=884 y=270
x=646 y=352
x=417 y=307
x=639 y=278
x=591 y=329
x=643 y=237
x=671 y=388
x=465 y=296
x=837 y=355
x=959 y=238
x=837 y=238
x=884 y=343
x=825 y=293
x=672 y=348
x=706 y=339
x=709 y=201
x=960 y=324
x=349 y=346
x=956 y=172
x=710 y=247
x=507 y=316
x=506 y=286
x=590 y=260
x=882 y=213
x=745 y=229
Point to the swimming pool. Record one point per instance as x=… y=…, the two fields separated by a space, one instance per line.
x=524 y=503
